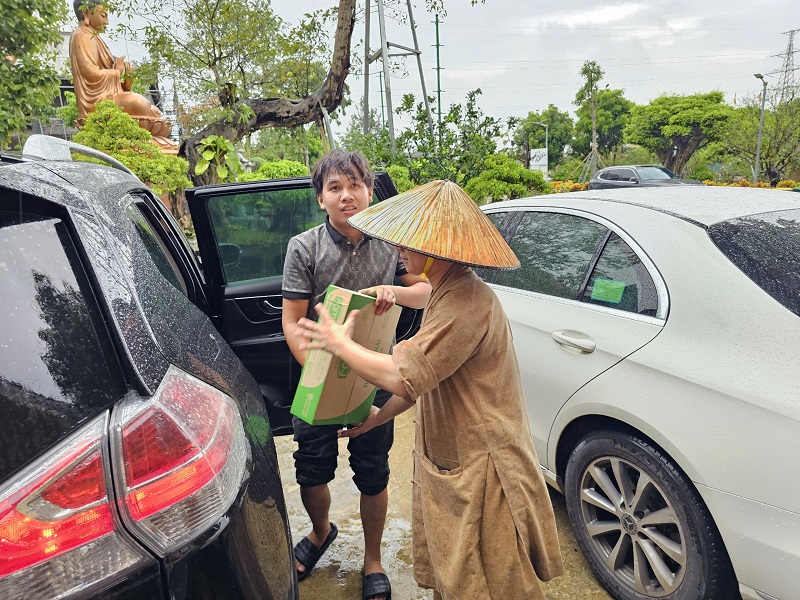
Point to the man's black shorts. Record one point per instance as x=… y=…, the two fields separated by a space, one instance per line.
x=318 y=449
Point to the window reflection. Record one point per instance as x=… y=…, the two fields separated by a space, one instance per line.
x=260 y=224
x=555 y=251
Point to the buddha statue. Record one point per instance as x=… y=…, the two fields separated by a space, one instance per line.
x=98 y=75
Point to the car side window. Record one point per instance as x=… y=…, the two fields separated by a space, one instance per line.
x=555 y=251
x=253 y=229
x=621 y=281
x=627 y=175
x=157 y=250
x=501 y=220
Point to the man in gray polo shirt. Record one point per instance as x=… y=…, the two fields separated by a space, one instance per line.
x=336 y=253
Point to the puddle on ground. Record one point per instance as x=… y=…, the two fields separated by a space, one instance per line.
x=337 y=575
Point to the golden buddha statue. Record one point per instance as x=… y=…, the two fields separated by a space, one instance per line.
x=98 y=75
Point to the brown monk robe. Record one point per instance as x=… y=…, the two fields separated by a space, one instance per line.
x=483 y=525
x=97 y=75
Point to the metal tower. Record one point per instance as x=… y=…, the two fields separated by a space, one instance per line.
x=787 y=87
x=384 y=54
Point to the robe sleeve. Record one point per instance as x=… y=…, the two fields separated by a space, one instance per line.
x=452 y=332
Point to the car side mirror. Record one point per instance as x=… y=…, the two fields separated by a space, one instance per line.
x=229 y=254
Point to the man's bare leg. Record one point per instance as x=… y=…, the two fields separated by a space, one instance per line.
x=317 y=502
x=373 y=519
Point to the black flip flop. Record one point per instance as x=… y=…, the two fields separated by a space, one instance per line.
x=308 y=555
x=375 y=584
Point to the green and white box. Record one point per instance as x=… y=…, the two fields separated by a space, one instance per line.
x=329 y=392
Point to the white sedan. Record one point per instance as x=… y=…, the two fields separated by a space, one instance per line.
x=658 y=336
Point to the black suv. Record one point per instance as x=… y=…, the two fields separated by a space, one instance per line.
x=137 y=457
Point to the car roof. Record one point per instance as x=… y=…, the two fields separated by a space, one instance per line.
x=702 y=205
x=632 y=167
x=69 y=184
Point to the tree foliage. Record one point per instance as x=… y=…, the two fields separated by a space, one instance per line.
x=301 y=144
x=218 y=155
x=243 y=69
x=504 y=178
x=612 y=113
x=675 y=127
x=456 y=150
x=780 y=145
x=111 y=130
x=28 y=44
x=528 y=133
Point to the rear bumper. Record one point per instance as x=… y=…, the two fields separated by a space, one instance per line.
x=763 y=543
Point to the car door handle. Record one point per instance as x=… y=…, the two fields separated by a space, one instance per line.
x=268 y=307
x=573 y=339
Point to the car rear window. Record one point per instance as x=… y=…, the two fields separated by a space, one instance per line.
x=766 y=247
x=57 y=364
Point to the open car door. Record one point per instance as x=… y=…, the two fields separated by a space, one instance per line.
x=242 y=232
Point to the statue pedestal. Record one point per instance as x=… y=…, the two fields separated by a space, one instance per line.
x=160 y=128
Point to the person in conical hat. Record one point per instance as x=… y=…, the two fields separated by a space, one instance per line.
x=483 y=525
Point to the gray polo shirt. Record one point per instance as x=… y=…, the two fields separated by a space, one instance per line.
x=322 y=256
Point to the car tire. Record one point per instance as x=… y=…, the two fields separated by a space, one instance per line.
x=640 y=523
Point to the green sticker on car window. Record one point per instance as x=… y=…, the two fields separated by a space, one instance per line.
x=608 y=290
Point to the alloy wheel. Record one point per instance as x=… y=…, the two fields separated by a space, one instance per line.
x=633 y=526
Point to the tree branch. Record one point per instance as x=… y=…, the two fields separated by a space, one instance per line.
x=285 y=112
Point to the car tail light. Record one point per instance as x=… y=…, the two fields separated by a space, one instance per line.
x=182 y=458
x=58 y=533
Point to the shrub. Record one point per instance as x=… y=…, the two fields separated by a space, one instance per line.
x=276 y=169
x=503 y=179
x=111 y=130
x=569 y=186
x=401 y=177
x=787 y=184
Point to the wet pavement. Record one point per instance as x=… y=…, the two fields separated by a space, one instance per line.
x=337 y=575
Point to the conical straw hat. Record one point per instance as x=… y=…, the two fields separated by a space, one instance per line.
x=438 y=219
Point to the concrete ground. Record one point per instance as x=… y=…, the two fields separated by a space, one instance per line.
x=337 y=575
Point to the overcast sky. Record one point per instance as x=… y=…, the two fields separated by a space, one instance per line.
x=527 y=54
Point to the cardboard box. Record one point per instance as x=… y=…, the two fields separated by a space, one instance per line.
x=329 y=391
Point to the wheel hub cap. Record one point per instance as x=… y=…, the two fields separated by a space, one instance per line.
x=629 y=524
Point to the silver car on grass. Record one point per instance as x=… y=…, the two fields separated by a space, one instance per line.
x=658 y=334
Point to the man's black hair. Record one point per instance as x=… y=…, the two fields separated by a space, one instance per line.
x=352 y=164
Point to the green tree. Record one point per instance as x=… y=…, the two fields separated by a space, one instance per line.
x=675 y=127
x=780 y=142
x=277 y=169
x=302 y=144
x=256 y=73
x=504 y=178
x=28 y=44
x=528 y=134
x=242 y=69
x=612 y=112
x=456 y=150
x=587 y=94
x=375 y=143
x=111 y=130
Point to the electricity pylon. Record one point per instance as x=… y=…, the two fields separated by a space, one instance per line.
x=384 y=54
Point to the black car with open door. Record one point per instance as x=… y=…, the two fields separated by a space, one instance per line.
x=136 y=454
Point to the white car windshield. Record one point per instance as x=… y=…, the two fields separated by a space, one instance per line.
x=649 y=173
